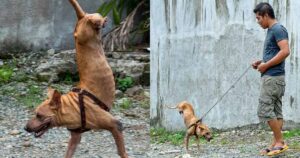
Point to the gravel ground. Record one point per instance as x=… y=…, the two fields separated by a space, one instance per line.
x=17 y=143
x=230 y=144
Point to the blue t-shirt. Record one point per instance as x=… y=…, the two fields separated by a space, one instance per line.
x=275 y=34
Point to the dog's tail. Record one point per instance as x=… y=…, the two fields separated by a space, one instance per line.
x=171 y=107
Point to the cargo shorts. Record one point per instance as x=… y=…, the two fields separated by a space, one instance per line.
x=270 y=99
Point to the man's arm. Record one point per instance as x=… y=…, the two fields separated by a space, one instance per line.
x=281 y=55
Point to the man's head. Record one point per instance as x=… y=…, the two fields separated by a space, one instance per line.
x=264 y=14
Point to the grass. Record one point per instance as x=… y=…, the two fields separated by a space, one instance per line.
x=295 y=145
x=145 y=103
x=126 y=103
x=291 y=134
x=224 y=141
x=161 y=135
x=32 y=98
x=68 y=77
x=5 y=73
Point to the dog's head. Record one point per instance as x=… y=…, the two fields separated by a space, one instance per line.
x=203 y=130
x=45 y=114
x=96 y=21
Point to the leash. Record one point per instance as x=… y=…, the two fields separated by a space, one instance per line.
x=232 y=86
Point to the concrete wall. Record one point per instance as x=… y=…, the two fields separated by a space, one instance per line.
x=200 y=47
x=39 y=24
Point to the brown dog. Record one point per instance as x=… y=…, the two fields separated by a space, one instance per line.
x=85 y=107
x=194 y=125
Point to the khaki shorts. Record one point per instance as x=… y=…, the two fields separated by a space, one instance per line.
x=270 y=99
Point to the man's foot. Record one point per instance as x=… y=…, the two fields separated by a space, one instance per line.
x=265 y=151
x=277 y=150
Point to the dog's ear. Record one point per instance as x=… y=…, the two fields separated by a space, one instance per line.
x=54 y=97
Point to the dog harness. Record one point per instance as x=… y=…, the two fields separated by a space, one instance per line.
x=81 y=94
x=195 y=125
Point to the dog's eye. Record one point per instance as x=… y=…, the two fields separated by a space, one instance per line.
x=38 y=116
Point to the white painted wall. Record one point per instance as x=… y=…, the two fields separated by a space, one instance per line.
x=40 y=24
x=200 y=47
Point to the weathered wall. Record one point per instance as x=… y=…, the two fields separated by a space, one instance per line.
x=200 y=47
x=39 y=24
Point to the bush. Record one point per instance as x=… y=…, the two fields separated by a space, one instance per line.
x=5 y=73
x=124 y=83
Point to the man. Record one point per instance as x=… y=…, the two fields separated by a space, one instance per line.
x=276 y=49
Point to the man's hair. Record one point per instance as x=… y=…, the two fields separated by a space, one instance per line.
x=264 y=8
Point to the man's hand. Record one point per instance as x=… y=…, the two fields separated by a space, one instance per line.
x=262 y=67
x=255 y=64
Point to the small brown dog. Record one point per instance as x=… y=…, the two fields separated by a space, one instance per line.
x=87 y=106
x=194 y=125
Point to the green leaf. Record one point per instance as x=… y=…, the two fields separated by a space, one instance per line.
x=101 y=8
x=121 y=7
x=116 y=16
x=108 y=7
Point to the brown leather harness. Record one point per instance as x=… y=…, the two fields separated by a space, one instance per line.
x=81 y=94
x=195 y=125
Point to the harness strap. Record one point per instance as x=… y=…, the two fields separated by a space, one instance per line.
x=81 y=93
x=195 y=125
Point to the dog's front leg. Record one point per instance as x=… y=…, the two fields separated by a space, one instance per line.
x=119 y=139
x=73 y=142
x=186 y=142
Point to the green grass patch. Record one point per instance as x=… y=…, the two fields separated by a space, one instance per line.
x=294 y=145
x=145 y=104
x=224 y=141
x=9 y=91
x=126 y=103
x=68 y=77
x=32 y=98
x=5 y=73
x=292 y=133
x=161 y=135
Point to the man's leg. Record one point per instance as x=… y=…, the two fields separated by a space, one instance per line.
x=276 y=127
x=280 y=121
x=266 y=111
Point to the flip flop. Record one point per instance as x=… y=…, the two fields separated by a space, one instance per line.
x=277 y=150
x=264 y=151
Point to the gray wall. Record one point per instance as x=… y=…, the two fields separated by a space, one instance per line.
x=39 y=24
x=200 y=47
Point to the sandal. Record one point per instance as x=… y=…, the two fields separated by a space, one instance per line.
x=265 y=151
x=277 y=150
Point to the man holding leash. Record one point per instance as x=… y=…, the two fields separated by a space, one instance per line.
x=276 y=49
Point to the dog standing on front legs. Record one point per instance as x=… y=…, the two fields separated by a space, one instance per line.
x=194 y=126
x=96 y=85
